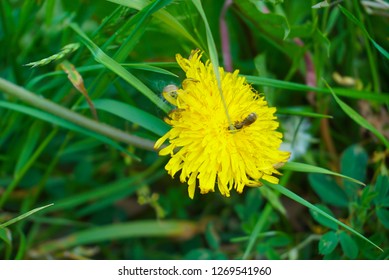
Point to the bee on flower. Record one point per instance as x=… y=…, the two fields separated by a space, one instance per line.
x=209 y=151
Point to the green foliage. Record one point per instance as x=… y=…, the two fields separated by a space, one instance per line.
x=111 y=196
x=364 y=207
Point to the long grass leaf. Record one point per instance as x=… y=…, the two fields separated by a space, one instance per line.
x=358 y=118
x=257 y=230
x=151 y=67
x=132 y=114
x=169 y=20
x=64 y=123
x=28 y=147
x=351 y=17
x=138 y=229
x=309 y=205
x=302 y=167
x=283 y=111
x=119 y=70
x=356 y=94
x=213 y=54
x=23 y=216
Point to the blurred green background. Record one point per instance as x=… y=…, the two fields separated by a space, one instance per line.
x=112 y=197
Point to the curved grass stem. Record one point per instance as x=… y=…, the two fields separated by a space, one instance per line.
x=66 y=114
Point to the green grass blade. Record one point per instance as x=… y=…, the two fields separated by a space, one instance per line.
x=111 y=189
x=257 y=230
x=351 y=17
x=307 y=168
x=28 y=147
x=358 y=118
x=110 y=200
x=151 y=67
x=132 y=114
x=96 y=193
x=382 y=98
x=213 y=54
x=166 y=18
x=119 y=70
x=63 y=123
x=23 y=216
x=309 y=205
x=138 y=229
x=302 y=113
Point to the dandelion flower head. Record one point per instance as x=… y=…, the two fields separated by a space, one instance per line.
x=204 y=146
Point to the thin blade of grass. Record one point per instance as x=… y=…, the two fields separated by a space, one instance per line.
x=126 y=184
x=358 y=118
x=132 y=114
x=307 y=168
x=138 y=229
x=302 y=113
x=119 y=70
x=382 y=98
x=351 y=17
x=151 y=67
x=64 y=123
x=23 y=216
x=213 y=55
x=257 y=230
x=110 y=200
x=309 y=205
x=28 y=147
x=169 y=20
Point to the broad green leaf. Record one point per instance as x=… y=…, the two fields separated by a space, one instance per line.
x=328 y=243
x=328 y=190
x=383 y=216
x=302 y=167
x=382 y=188
x=349 y=246
x=309 y=205
x=269 y=24
x=323 y=220
x=351 y=17
x=23 y=216
x=119 y=70
x=132 y=114
x=63 y=123
x=351 y=93
x=358 y=118
x=280 y=240
x=138 y=229
x=353 y=163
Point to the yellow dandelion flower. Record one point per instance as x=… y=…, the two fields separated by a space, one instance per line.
x=203 y=145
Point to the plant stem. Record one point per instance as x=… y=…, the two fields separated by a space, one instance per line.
x=64 y=113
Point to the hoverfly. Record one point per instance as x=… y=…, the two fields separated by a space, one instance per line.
x=250 y=119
